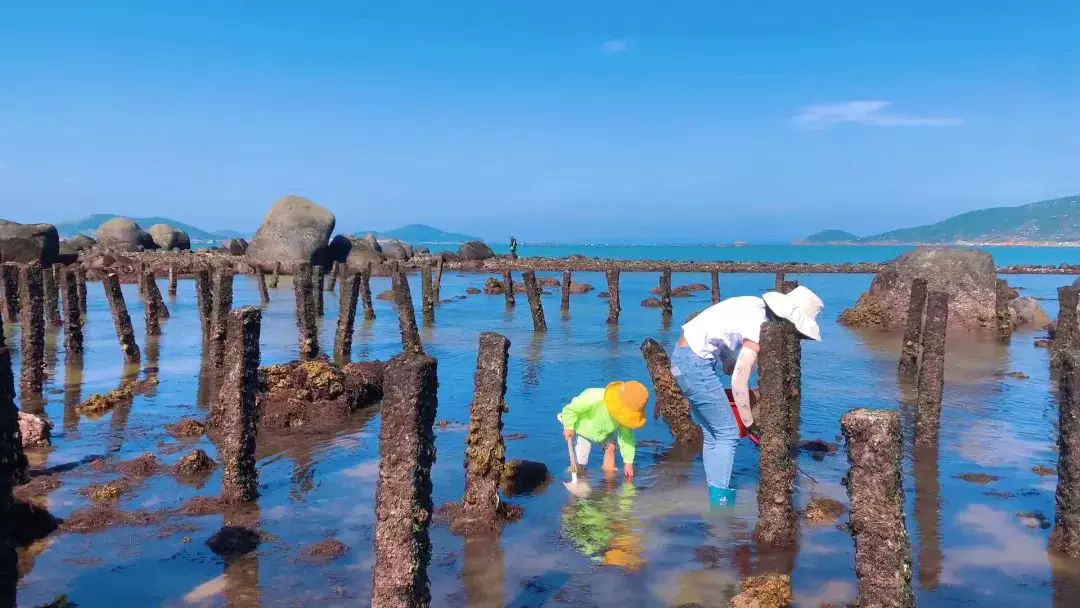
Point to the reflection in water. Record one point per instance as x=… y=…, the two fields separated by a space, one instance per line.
x=204 y=394
x=303 y=475
x=242 y=572
x=52 y=340
x=363 y=336
x=73 y=378
x=928 y=516
x=152 y=349
x=603 y=528
x=484 y=573
x=530 y=371
x=120 y=413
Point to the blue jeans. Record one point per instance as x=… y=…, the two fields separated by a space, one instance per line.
x=711 y=410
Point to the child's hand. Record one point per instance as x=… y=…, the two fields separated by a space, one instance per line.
x=568 y=434
x=628 y=470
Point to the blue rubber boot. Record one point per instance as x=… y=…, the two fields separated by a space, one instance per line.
x=721 y=497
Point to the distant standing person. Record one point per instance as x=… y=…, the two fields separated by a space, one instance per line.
x=513 y=247
x=724 y=338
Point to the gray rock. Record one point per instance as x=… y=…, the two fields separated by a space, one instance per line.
x=372 y=242
x=968 y=276
x=26 y=243
x=295 y=230
x=69 y=249
x=1027 y=312
x=168 y=238
x=81 y=242
x=339 y=247
x=361 y=254
x=476 y=250
x=236 y=246
x=123 y=234
x=397 y=250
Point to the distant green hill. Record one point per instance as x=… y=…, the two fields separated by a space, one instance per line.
x=829 y=236
x=89 y=226
x=1052 y=221
x=419 y=233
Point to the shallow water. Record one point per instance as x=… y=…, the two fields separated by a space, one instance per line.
x=669 y=549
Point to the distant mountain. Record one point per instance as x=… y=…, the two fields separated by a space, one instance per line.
x=225 y=235
x=89 y=226
x=1055 y=221
x=829 y=236
x=419 y=233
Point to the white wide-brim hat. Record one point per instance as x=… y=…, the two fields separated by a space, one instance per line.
x=801 y=307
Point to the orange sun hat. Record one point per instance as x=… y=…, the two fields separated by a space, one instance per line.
x=626 y=402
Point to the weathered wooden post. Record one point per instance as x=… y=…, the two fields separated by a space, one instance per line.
x=14 y=468
x=237 y=413
x=776 y=526
x=427 y=294
x=32 y=311
x=485 y=452
x=365 y=292
x=80 y=274
x=9 y=280
x=1066 y=329
x=335 y=270
x=403 y=498
x=665 y=293
x=260 y=282
x=307 y=326
x=875 y=487
x=508 y=289
x=125 y=334
x=438 y=278
x=715 y=275
x=670 y=401
x=1065 y=538
x=221 y=300
x=614 y=304
x=204 y=297
x=410 y=334
x=566 y=282
x=172 y=280
x=350 y=289
x=51 y=289
x=1002 y=312
x=73 y=335
x=909 y=350
x=932 y=369
x=317 y=287
x=532 y=290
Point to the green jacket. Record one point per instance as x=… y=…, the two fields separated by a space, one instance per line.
x=587 y=416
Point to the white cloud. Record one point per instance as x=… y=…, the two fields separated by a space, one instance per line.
x=615 y=47
x=874 y=113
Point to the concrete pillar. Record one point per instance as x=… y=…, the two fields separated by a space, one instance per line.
x=80 y=274
x=932 y=370
x=1065 y=538
x=403 y=498
x=1002 y=312
x=776 y=525
x=438 y=278
x=909 y=350
x=350 y=289
x=665 y=293
x=9 y=281
x=13 y=465
x=274 y=278
x=788 y=286
x=221 y=301
x=317 y=287
x=614 y=302
x=508 y=289
x=427 y=294
x=876 y=489
x=172 y=280
x=335 y=270
x=204 y=296
x=238 y=415
x=365 y=292
x=485 y=452
x=51 y=288
x=1066 y=329
x=778 y=284
x=140 y=279
x=532 y=291
x=125 y=334
x=260 y=282
x=715 y=275
x=671 y=404
x=150 y=313
x=32 y=312
x=153 y=296
x=793 y=372
x=410 y=334
x=566 y=281
x=307 y=325
x=73 y=335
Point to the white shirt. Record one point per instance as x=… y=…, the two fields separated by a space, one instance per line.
x=724 y=326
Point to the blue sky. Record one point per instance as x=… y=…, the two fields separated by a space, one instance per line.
x=661 y=121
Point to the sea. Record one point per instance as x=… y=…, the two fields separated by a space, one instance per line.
x=650 y=542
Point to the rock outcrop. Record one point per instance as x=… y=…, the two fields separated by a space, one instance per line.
x=475 y=250
x=362 y=252
x=316 y=393
x=397 y=250
x=26 y=243
x=70 y=248
x=123 y=234
x=1028 y=313
x=295 y=230
x=968 y=276
x=236 y=246
x=168 y=238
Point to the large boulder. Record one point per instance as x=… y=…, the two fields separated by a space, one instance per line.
x=26 y=243
x=123 y=234
x=166 y=237
x=397 y=250
x=372 y=242
x=356 y=253
x=236 y=246
x=69 y=249
x=968 y=276
x=476 y=250
x=1028 y=313
x=295 y=230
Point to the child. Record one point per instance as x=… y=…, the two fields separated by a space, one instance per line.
x=606 y=416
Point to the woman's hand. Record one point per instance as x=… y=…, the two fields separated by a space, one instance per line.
x=628 y=470
x=568 y=434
